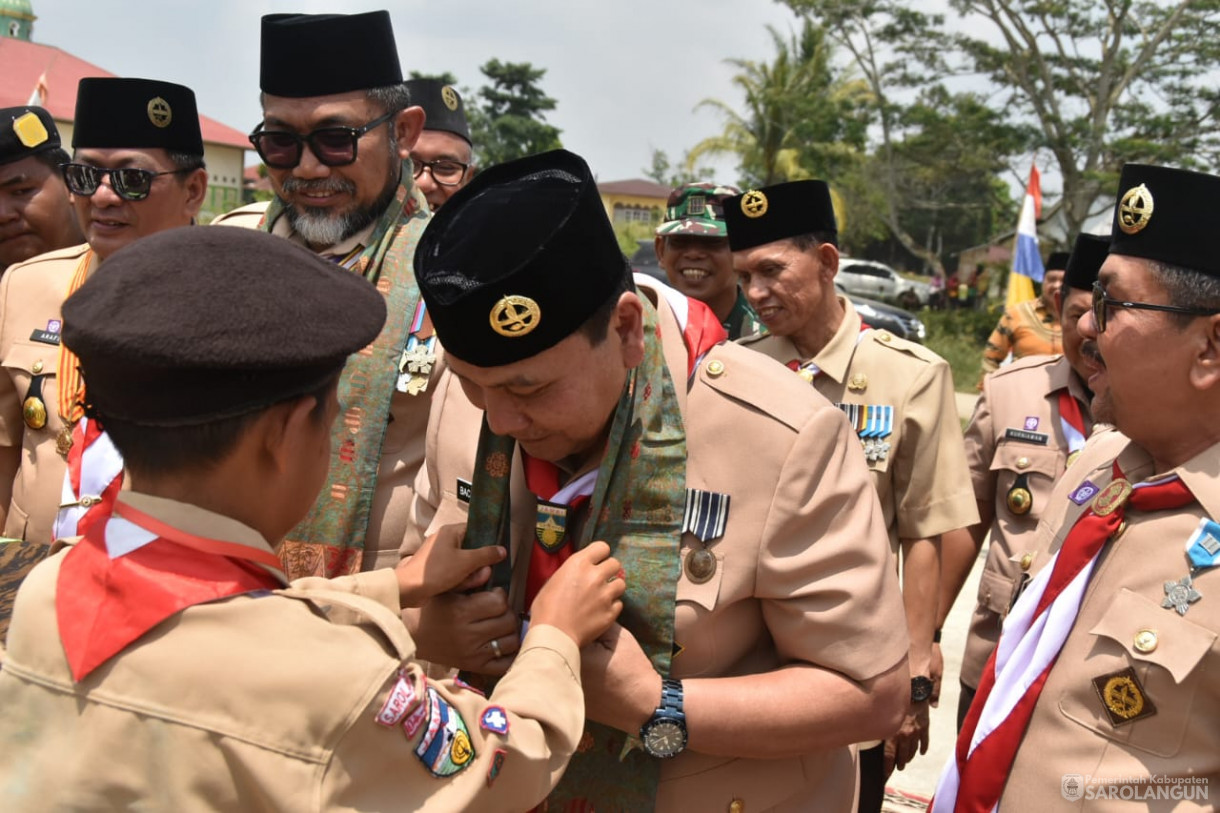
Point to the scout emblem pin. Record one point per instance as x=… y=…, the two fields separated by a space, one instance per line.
x=551 y=525
x=1122 y=697
x=754 y=204
x=1020 y=500
x=515 y=316
x=1135 y=210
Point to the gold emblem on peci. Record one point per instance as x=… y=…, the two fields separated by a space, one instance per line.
x=1123 y=697
x=1135 y=210
x=515 y=316
x=159 y=112
x=754 y=204
x=449 y=97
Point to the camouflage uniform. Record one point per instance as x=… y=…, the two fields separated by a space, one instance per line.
x=698 y=210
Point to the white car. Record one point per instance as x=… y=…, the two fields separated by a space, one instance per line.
x=878 y=281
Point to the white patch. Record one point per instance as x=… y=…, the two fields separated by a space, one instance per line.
x=402 y=698
x=123 y=537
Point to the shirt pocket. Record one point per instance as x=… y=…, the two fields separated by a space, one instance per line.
x=695 y=627
x=1041 y=465
x=28 y=359
x=1170 y=674
x=996 y=592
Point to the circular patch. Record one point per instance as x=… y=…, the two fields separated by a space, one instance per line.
x=1111 y=498
x=159 y=112
x=1123 y=697
x=515 y=316
x=1020 y=501
x=1135 y=210
x=461 y=751
x=449 y=97
x=34 y=412
x=754 y=204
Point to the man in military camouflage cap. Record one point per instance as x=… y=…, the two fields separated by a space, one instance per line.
x=693 y=249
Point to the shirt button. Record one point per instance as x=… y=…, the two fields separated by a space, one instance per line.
x=715 y=368
x=1026 y=561
x=37 y=368
x=1145 y=641
x=1022 y=462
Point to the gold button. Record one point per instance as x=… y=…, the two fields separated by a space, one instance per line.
x=1145 y=641
x=737 y=806
x=1120 y=530
x=883 y=336
x=1022 y=462
x=715 y=368
x=1026 y=561
x=37 y=368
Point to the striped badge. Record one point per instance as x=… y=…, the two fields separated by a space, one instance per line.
x=707 y=513
x=870 y=420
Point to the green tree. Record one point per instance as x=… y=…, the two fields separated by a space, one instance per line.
x=508 y=121
x=802 y=117
x=665 y=173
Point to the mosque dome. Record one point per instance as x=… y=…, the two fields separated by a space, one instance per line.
x=16 y=19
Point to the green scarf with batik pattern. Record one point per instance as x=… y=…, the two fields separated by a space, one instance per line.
x=637 y=508
x=330 y=540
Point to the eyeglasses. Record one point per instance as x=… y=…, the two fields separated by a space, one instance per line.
x=444 y=171
x=128 y=183
x=332 y=146
x=1102 y=304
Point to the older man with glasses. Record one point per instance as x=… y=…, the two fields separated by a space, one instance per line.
x=136 y=169
x=1102 y=692
x=336 y=136
x=443 y=157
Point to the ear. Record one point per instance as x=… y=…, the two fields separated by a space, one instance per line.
x=627 y=324
x=408 y=124
x=287 y=432
x=196 y=185
x=829 y=257
x=1205 y=371
x=659 y=244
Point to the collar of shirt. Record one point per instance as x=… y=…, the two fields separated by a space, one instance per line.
x=835 y=358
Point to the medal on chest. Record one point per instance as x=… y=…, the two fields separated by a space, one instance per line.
x=707 y=515
x=419 y=356
x=873 y=424
x=1202 y=553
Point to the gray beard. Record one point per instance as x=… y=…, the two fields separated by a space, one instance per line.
x=322 y=227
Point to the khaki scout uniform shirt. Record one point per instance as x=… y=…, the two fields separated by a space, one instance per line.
x=265 y=703
x=402 y=450
x=922 y=481
x=31 y=294
x=1022 y=395
x=802 y=569
x=1122 y=624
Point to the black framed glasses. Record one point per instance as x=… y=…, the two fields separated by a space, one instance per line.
x=128 y=183
x=332 y=146
x=1102 y=304
x=445 y=172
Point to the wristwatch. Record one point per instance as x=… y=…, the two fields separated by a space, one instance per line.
x=921 y=688
x=664 y=735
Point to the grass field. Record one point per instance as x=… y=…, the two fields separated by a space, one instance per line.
x=958 y=336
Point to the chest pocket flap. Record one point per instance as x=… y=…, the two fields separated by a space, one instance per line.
x=33 y=358
x=1026 y=457
x=1180 y=643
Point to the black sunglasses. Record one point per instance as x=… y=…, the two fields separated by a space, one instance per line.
x=332 y=146
x=128 y=183
x=1102 y=304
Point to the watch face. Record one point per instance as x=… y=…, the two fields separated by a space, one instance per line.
x=921 y=689
x=665 y=738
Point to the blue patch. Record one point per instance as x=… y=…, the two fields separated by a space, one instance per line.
x=494 y=719
x=1083 y=493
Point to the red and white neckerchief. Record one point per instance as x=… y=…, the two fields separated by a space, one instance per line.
x=131 y=571
x=91 y=482
x=1034 y=634
x=1072 y=421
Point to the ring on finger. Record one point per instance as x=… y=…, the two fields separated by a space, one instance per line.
x=495 y=647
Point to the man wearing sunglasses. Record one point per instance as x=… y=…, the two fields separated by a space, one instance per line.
x=35 y=215
x=1029 y=425
x=443 y=157
x=335 y=137
x=136 y=169
x=1107 y=663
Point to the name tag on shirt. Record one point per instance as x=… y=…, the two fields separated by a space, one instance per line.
x=464 y=490
x=45 y=337
x=1026 y=437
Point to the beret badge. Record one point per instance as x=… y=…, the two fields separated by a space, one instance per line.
x=515 y=316
x=754 y=204
x=159 y=112
x=30 y=130
x=449 y=97
x=1135 y=209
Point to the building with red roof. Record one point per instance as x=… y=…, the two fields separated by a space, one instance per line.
x=34 y=73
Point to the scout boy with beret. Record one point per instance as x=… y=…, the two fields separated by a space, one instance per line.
x=1102 y=689
x=1029 y=425
x=693 y=249
x=443 y=155
x=607 y=411
x=169 y=630
x=898 y=396
x=137 y=169
x=35 y=214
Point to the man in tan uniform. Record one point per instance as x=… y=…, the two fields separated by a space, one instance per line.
x=335 y=137
x=1031 y=419
x=755 y=554
x=1117 y=637
x=35 y=213
x=169 y=629
x=443 y=155
x=897 y=394
x=692 y=247
x=137 y=169
x=1029 y=328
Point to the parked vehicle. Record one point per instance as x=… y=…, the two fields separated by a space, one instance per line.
x=879 y=281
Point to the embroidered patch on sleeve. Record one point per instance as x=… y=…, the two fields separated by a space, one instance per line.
x=445 y=747
x=495 y=720
x=401 y=701
x=497 y=763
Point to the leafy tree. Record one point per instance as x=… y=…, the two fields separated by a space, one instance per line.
x=666 y=174
x=801 y=116
x=508 y=121
x=445 y=78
